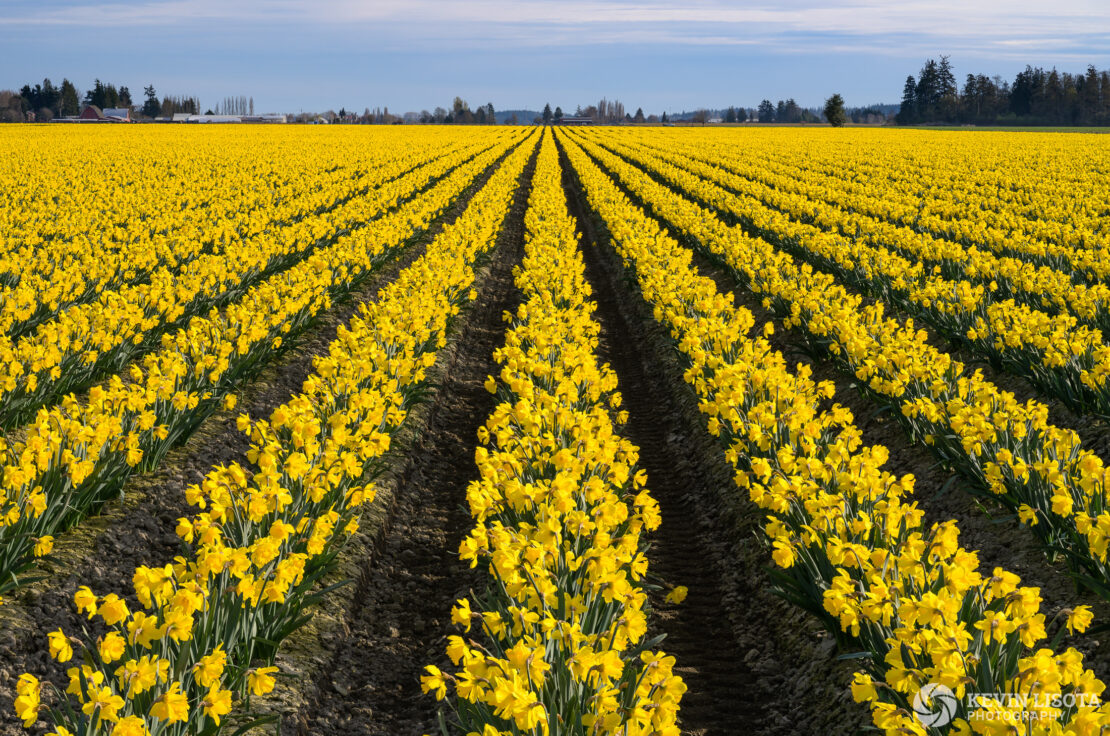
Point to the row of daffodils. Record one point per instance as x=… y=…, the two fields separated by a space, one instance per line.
x=555 y=645
x=198 y=641
x=846 y=535
x=78 y=454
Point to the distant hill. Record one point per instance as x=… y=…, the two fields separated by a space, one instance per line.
x=522 y=116
x=884 y=108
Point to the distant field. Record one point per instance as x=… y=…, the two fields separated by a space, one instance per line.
x=1004 y=128
x=1016 y=128
x=825 y=407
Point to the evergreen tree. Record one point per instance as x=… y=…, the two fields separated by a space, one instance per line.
x=639 y=116
x=44 y=100
x=547 y=114
x=1052 y=99
x=791 y=112
x=766 y=112
x=1091 y=95
x=51 y=97
x=834 y=111
x=70 y=103
x=908 y=112
x=97 y=96
x=1026 y=85
x=151 y=108
x=947 y=93
x=558 y=117
x=928 y=91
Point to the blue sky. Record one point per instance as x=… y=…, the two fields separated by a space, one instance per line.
x=413 y=54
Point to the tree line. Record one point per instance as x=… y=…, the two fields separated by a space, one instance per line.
x=1036 y=97
x=786 y=111
x=47 y=101
x=605 y=112
x=460 y=114
x=169 y=106
x=44 y=101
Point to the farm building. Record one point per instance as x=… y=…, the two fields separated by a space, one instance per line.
x=214 y=119
x=570 y=120
x=184 y=117
x=94 y=114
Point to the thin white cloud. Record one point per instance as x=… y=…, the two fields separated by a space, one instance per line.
x=1065 y=27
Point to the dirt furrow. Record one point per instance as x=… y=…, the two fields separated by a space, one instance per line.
x=401 y=616
x=103 y=551
x=753 y=664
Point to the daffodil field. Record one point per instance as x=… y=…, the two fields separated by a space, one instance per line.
x=820 y=310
